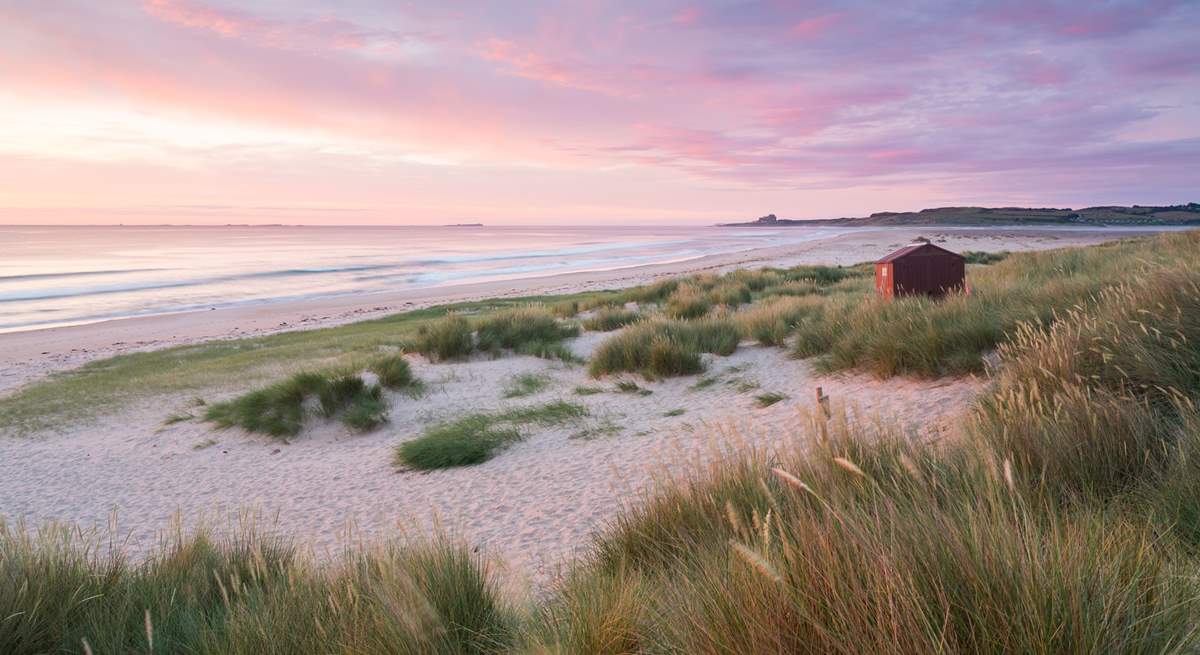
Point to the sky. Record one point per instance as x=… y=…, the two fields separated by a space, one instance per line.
x=622 y=111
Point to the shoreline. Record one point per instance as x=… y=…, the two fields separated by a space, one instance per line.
x=27 y=356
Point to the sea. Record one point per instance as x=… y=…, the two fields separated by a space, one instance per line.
x=70 y=275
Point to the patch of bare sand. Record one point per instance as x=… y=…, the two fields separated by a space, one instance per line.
x=533 y=507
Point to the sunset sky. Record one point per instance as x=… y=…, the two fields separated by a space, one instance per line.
x=372 y=111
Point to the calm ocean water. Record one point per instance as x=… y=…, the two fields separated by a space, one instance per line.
x=52 y=276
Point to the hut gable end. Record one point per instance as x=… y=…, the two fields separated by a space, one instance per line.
x=920 y=269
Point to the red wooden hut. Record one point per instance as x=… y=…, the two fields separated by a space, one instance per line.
x=920 y=269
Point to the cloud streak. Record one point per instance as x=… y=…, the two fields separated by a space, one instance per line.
x=694 y=109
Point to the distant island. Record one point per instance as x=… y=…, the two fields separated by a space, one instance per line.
x=1188 y=214
x=464 y=225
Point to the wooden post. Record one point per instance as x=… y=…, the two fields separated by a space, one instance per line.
x=824 y=414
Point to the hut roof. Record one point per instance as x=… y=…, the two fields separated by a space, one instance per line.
x=912 y=248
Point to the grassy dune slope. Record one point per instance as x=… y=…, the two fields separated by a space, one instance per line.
x=1065 y=519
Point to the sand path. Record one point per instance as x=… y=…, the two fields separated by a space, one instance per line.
x=532 y=507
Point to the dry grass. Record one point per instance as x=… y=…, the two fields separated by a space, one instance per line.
x=664 y=348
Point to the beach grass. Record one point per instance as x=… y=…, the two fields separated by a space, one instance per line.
x=847 y=329
x=629 y=386
x=771 y=321
x=769 y=398
x=525 y=384
x=475 y=438
x=393 y=372
x=280 y=410
x=1063 y=517
x=664 y=348
x=688 y=301
x=607 y=319
x=109 y=385
x=242 y=594
x=1063 y=521
x=854 y=329
x=449 y=337
x=519 y=327
x=730 y=293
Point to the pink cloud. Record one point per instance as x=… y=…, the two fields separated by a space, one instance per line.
x=322 y=32
x=814 y=27
x=747 y=97
x=687 y=16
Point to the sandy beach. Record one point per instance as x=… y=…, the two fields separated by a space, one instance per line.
x=29 y=355
x=533 y=507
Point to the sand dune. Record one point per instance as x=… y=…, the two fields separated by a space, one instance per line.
x=532 y=506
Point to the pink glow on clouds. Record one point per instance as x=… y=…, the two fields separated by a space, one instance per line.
x=816 y=26
x=214 y=110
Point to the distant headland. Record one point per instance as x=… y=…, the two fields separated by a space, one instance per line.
x=1188 y=214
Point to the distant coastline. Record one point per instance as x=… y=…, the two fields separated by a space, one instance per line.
x=1188 y=214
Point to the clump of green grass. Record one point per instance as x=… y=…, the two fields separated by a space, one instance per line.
x=517 y=327
x=705 y=382
x=678 y=411
x=588 y=391
x=473 y=439
x=393 y=372
x=525 y=384
x=446 y=338
x=476 y=438
x=668 y=357
x=664 y=348
x=730 y=294
x=207 y=443
x=755 y=281
x=688 y=301
x=650 y=293
x=826 y=275
x=794 y=288
x=980 y=257
x=771 y=321
x=550 y=350
x=366 y=410
x=769 y=398
x=565 y=308
x=279 y=409
x=607 y=319
x=178 y=417
x=246 y=593
x=629 y=386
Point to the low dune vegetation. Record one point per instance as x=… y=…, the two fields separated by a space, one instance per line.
x=527 y=330
x=449 y=337
x=664 y=347
x=855 y=329
x=1064 y=520
x=281 y=409
x=247 y=593
x=476 y=438
x=772 y=320
x=1061 y=516
x=730 y=294
x=688 y=301
x=607 y=319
